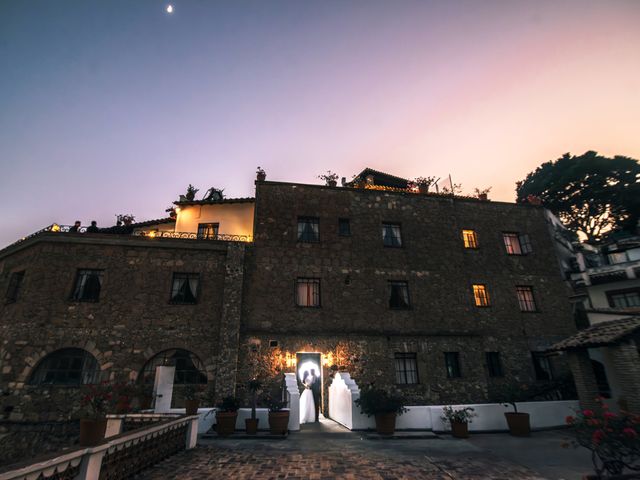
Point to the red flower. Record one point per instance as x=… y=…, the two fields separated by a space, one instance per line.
x=587 y=413
x=569 y=420
x=609 y=415
x=597 y=437
x=630 y=432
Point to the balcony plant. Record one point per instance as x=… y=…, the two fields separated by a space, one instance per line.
x=96 y=402
x=251 y=424
x=482 y=194
x=226 y=415
x=191 y=192
x=278 y=414
x=423 y=183
x=261 y=175
x=330 y=178
x=459 y=419
x=192 y=395
x=384 y=404
x=612 y=438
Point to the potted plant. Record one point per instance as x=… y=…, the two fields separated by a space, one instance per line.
x=251 y=424
x=123 y=394
x=96 y=402
x=612 y=438
x=459 y=419
x=226 y=415
x=384 y=404
x=482 y=194
x=423 y=183
x=191 y=193
x=261 y=175
x=278 y=415
x=518 y=422
x=330 y=178
x=192 y=398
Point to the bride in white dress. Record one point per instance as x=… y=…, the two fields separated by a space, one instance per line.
x=307 y=407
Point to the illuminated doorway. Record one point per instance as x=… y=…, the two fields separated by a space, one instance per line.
x=306 y=363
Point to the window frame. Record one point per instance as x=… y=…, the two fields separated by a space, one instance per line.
x=341 y=231
x=538 y=359
x=470 y=239
x=405 y=359
x=405 y=284
x=97 y=272
x=494 y=364
x=308 y=281
x=456 y=370
x=176 y=276
x=399 y=237
x=14 y=287
x=522 y=243
x=89 y=369
x=484 y=298
x=526 y=305
x=626 y=291
x=300 y=235
x=200 y=235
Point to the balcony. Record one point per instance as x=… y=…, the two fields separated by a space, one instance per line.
x=618 y=272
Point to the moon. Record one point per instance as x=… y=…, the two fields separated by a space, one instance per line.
x=169 y=8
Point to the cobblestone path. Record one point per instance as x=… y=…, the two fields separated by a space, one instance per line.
x=345 y=458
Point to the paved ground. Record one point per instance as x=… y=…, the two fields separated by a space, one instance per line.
x=328 y=451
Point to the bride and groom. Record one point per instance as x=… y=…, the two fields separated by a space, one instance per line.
x=310 y=398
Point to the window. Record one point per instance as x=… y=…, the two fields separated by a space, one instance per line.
x=308 y=229
x=207 y=231
x=189 y=368
x=69 y=366
x=184 y=288
x=398 y=295
x=481 y=296
x=516 y=244
x=624 y=298
x=406 y=368
x=470 y=239
x=391 y=235
x=525 y=299
x=452 y=364
x=308 y=292
x=542 y=366
x=87 y=286
x=494 y=365
x=344 y=227
x=15 y=282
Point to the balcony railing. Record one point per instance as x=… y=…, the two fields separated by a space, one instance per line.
x=194 y=236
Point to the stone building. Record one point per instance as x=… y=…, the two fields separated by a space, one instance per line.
x=448 y=298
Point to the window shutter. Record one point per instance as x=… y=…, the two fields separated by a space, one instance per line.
x=525 y=244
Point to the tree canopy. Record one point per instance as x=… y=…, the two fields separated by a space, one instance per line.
x=591 y=194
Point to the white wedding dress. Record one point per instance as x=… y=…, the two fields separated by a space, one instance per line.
x=307 y=407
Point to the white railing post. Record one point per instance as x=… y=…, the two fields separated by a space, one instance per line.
x=192 y=433
x=114 y=426
x=294 y=401
x=90 y=467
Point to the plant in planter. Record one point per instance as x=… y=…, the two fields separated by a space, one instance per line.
x=251 y=424
x=423 y=183
x=612 y=438
x=226 y=415
x=330 y=178
x=518 y=422
x=459 y=418
x=482 y=194
x=191 y=192
x=278 y=415
x=261 y=175
x=384 y=404
x=96 y=402
x=192 y=395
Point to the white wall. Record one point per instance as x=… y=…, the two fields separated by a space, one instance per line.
x=232 y=218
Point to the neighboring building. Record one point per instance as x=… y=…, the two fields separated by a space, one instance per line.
x=448 y=298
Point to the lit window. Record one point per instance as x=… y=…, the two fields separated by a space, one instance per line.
x=184 y=288
x=452 y=364
x=344 y=227
x=308 y=292
x=398 y=295
x=15 y=282
x=481 y=296
x=525 y=299
x=406 y=368
x=391 y=235
x=516 y=244
x=207 y=231
x=308 y=229
x=470 y=238
x=542 y=366
x=69 y=366
x=494 y=365
x=624 y=298
x=87 y=286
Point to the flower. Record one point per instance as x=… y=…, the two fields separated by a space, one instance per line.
x=569 y=420
x=587 y=413
x=609 y=415
x=630 y=432
x=597 y=437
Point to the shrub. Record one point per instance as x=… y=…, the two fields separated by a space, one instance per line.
x=375 y=400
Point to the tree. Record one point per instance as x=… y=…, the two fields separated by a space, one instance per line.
x=590 y=193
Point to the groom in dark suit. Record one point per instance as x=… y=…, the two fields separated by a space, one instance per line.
x=315 y=390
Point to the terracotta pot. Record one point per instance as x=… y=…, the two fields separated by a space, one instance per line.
x=261 y=177
x=483 y=196
x=460 y=429
x=518 y=424
x=191 y=406
x=279 y=422
x=251 y=425
x=332 y=183
x=423 y=189
x=92 y=431
x=385 y=423
x=226 y=422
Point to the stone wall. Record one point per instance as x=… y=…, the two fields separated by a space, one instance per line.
x=355 y=271
x=21 y=441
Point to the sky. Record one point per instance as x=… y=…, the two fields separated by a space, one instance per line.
x=115 y=106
